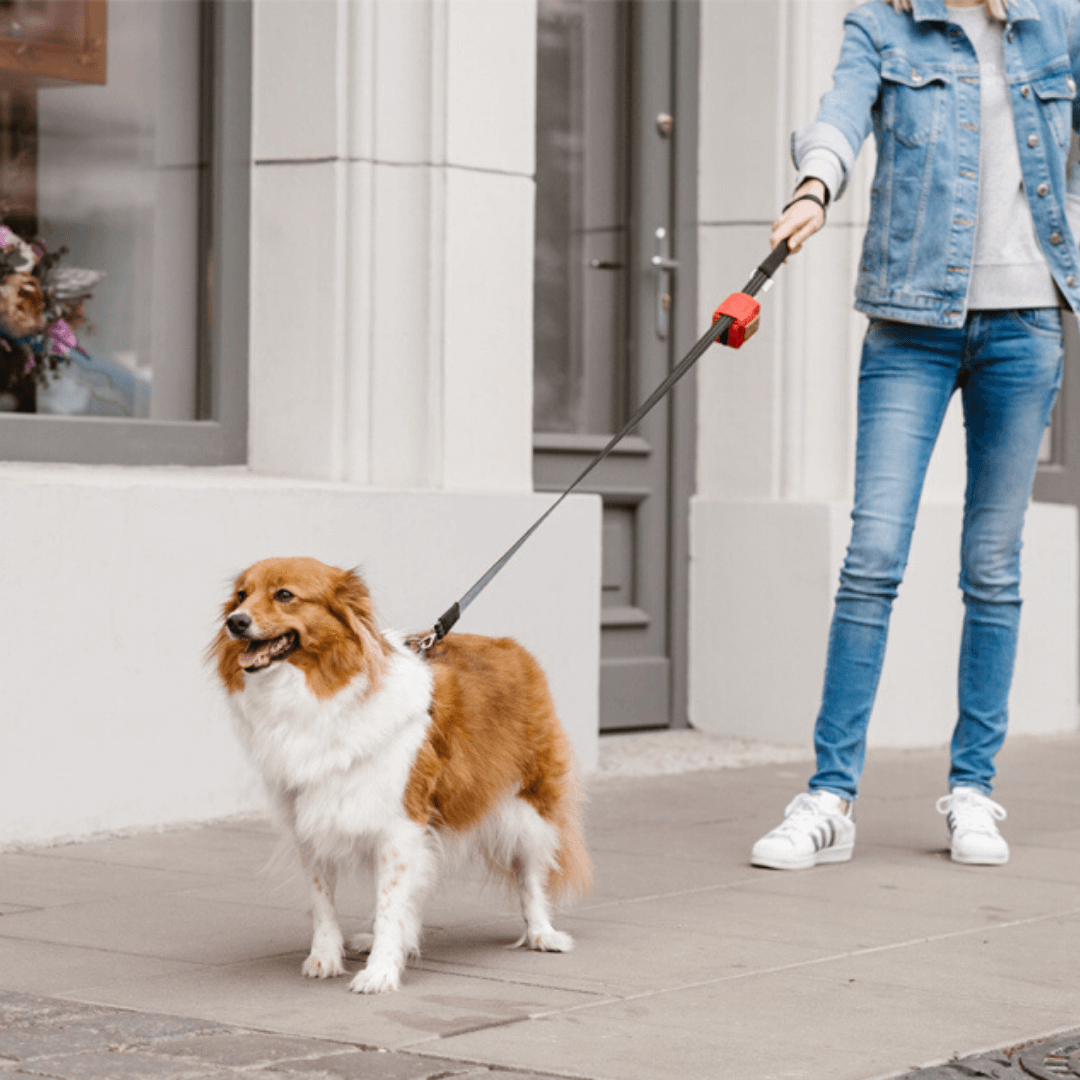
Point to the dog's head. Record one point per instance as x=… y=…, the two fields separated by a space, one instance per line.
x=301 y=612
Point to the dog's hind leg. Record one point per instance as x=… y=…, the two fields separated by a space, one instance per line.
x=532 y=844
x=403 y=873
x=327 y=943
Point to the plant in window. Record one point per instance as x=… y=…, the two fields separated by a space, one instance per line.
x=41 y=305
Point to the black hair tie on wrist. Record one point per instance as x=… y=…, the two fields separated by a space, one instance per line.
x=811 y=198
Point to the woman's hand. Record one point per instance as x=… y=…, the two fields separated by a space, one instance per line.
x=801 y=219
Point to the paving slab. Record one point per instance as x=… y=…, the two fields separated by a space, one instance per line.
x=228 y=849
x=170 y=926
x=784 y=1024
x=43 y=967
x=42 y=879
x=271 y=995
x=615 y=958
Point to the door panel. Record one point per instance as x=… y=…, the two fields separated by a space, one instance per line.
x=604 y=188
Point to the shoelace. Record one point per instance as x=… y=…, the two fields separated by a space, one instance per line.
x=972 y=811
x=803 y=808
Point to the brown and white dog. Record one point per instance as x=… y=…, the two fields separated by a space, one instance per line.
x=372 y=753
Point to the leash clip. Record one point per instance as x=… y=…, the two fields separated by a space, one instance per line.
x=423 y=645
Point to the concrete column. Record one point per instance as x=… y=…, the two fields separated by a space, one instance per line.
x=392 y=314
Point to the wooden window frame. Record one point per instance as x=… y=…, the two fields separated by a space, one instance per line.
x=50 y=62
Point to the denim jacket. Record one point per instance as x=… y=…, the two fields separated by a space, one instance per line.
x=914 y=80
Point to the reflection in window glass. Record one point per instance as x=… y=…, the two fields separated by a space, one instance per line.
x=582 y=161
x=101 y=186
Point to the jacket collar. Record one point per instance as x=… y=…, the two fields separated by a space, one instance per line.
x=936 y=11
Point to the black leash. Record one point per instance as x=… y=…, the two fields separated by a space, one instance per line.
x=718 y=331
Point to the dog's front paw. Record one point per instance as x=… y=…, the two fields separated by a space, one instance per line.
x=323 y=964
x=378 y=978
x=546 y=939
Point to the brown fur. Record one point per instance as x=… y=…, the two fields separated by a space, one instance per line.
x=494 y=730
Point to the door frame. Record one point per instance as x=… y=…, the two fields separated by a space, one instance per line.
x=682 y=457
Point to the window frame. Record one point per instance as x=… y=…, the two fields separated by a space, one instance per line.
x=49 y=62
x=222 y=438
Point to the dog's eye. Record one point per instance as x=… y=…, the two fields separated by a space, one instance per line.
x=283 y=596
x=241 y=596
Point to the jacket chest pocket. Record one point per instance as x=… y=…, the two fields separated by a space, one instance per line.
x=1055 y=93
x=912 y=101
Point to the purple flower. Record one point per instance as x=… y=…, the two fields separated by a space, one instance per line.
x=63 y=335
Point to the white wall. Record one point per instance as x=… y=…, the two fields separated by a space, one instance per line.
x=769 y=523
x=765 y=574
x=115 y=580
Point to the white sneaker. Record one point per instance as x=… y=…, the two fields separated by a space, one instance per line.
x=975 y=838
x=816 y=829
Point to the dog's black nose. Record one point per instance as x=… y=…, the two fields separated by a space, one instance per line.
x=238 y=623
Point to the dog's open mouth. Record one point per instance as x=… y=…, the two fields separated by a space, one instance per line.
x=261 y=654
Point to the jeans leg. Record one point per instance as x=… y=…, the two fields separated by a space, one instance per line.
x=906 y=378
x=1013 y=382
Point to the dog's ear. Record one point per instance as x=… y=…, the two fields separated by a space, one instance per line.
x=352 y=604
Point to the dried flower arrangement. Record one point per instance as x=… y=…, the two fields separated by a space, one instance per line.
x=41 y=305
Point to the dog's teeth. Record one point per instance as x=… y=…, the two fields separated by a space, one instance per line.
x=261 y=654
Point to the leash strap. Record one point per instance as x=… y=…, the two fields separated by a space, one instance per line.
x=716 y=332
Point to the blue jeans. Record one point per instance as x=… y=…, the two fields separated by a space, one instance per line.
x=1007 y=366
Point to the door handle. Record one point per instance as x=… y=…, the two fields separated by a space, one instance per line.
x=664 y=266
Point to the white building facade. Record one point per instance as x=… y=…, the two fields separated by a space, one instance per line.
x=364 y=393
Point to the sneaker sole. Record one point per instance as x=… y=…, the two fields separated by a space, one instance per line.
x=980 y=860
x=827 y=855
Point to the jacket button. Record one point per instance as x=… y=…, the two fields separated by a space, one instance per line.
x=1071 y=281
x=915 y=76
x=1033 y=140
x=1025 y=91
x=1055 y=238
x=1043 y=190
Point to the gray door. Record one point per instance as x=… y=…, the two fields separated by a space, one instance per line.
x=603 y=309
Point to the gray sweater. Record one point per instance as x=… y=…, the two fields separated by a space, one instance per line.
x=1008 y=269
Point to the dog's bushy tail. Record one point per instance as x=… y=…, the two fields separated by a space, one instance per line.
x=572 y=874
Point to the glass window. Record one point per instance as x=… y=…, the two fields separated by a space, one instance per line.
x=113 y=182
x=582 y=162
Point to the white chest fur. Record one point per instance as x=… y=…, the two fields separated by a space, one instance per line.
x=336 y=767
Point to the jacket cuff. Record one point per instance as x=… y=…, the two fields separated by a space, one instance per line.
x=821 y=150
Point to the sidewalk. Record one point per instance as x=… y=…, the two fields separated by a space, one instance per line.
x=689 y=962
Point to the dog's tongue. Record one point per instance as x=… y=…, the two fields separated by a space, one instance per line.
x=257 y=655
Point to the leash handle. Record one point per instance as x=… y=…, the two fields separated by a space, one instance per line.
x=717 y=331
x=774 y=260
